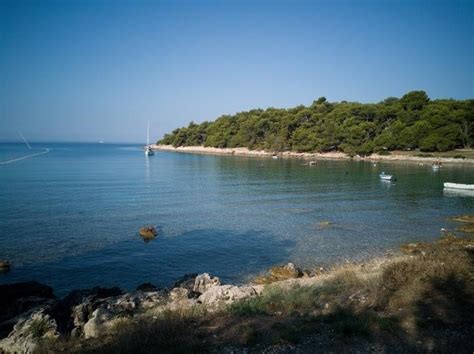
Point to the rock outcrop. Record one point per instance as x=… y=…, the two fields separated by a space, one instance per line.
x=93 y=314
x=279 y=273
x=4 y=266
x=204 y=281
x=146 y=287
x=226 y=294
x=28 y=331
x=21 y=299
x=34 y=313
x=148 y=233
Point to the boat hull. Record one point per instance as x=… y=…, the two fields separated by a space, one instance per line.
x=384 y=177
x=449 y=185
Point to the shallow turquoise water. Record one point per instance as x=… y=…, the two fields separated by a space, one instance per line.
x=70 y=218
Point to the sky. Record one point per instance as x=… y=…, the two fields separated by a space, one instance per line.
x=84 y=70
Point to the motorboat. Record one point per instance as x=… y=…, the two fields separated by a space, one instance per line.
x=462 y=186
x=386 y=177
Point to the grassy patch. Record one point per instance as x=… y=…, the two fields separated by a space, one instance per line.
x=38 y=328
x=248 y=307
x=346 y=322
x=384 y=153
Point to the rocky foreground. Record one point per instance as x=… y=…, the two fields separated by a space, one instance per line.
x=421 y=300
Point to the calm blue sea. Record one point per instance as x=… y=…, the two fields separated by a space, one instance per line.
x=69 y=218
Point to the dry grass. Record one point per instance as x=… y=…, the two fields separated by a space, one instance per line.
x=413 y=302
x=464 y=218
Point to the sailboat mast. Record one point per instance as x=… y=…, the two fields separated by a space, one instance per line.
x=148 y=134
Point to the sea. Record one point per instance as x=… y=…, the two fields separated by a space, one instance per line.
x=70 y=217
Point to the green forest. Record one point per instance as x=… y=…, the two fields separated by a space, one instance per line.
x=410 y=122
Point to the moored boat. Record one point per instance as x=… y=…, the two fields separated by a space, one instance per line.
x=459 y=186
x=148 y=150
x=386 y=177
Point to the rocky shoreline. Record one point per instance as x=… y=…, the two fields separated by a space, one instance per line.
x=30 y=312
x=422 y=293
x=310 y=156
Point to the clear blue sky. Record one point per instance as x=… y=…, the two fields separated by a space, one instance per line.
x=97 y=70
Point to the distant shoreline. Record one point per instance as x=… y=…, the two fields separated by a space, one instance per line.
x=242 y=151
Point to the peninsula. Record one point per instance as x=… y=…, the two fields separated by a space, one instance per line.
x=412 y=127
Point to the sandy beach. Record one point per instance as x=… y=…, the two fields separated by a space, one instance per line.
x=242 y=151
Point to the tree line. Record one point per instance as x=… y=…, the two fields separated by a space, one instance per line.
x=410 y=122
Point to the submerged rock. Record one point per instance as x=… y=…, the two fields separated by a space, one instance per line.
x=146 y=287
x=324 y=223
x=148 y=233
x=288 y=271
x=9 y=293
x=4 y=266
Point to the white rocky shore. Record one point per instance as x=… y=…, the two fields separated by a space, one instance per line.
x=335 y=155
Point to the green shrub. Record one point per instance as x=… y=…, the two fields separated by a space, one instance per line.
x=459 y=156
x=38 y=328
x=384 y=153
x=248 y=307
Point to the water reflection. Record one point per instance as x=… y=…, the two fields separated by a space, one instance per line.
x=451 y=192
x=147 y=169
x=387 y=184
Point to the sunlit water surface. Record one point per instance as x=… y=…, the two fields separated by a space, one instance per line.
x=69 y=218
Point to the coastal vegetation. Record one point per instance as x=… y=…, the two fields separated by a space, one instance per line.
x=413 y=121
x=420 y=299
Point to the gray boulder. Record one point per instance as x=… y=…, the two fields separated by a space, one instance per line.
x=204 y=282
x=93 y=316
x=226 y=294
x=98 y=323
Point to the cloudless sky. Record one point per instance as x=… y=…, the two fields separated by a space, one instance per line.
x=98 y=70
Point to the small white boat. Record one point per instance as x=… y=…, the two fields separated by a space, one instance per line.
x=148 y=150
x=275 y=157
x=385 y=177
x=450 y=185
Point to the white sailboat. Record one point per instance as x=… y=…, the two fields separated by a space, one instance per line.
x=148 y=150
